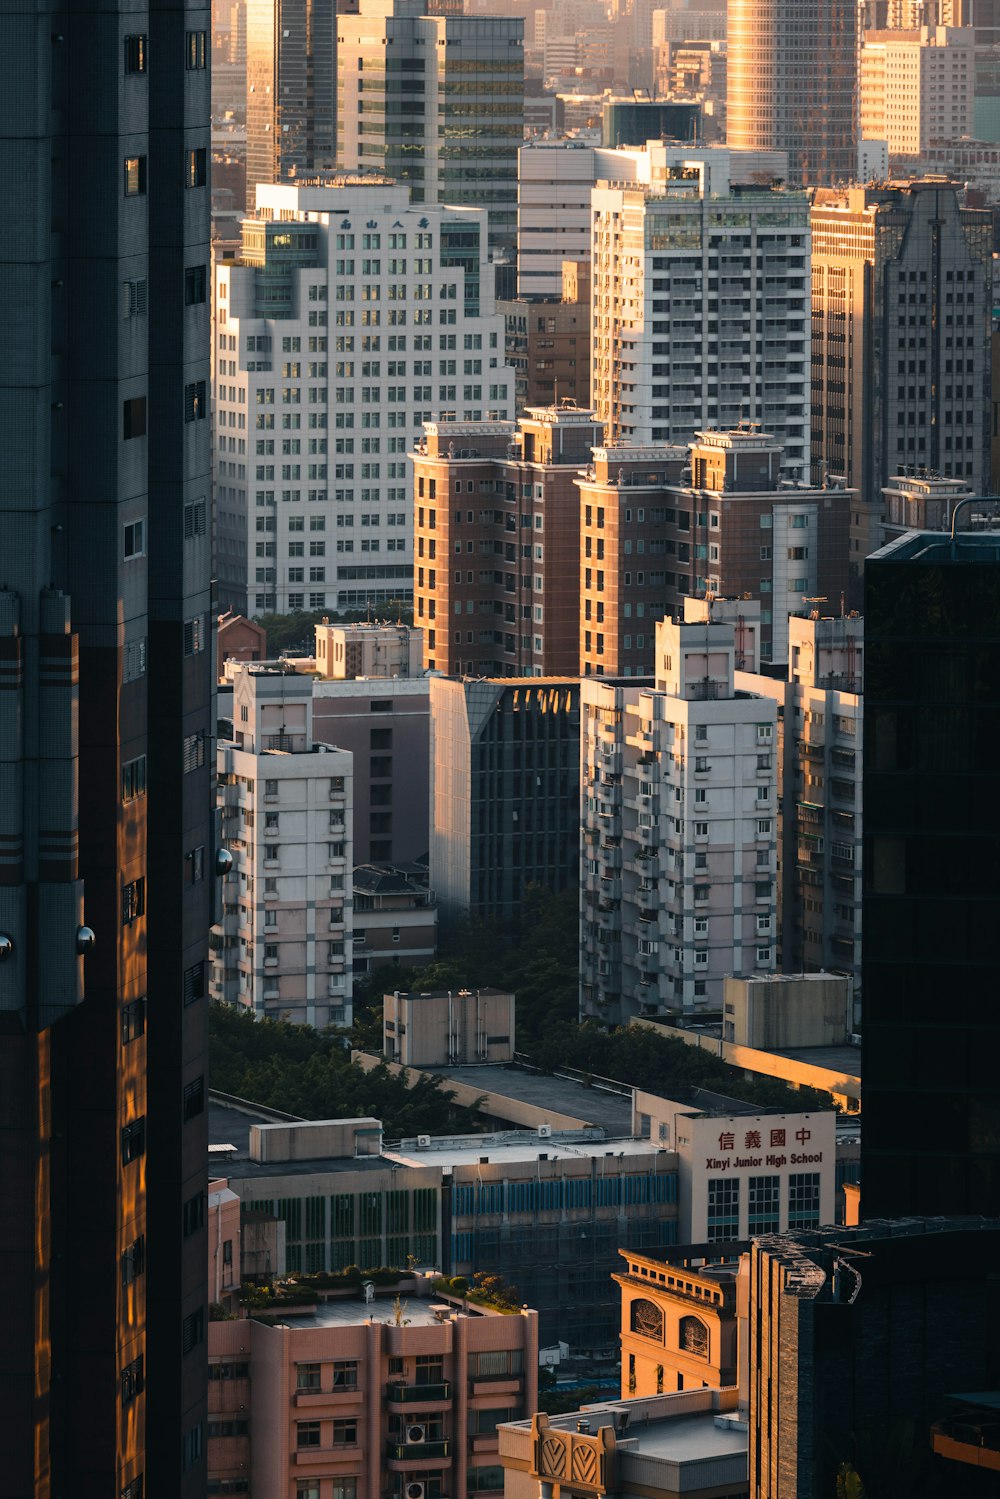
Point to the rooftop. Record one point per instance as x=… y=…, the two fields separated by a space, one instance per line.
x=516 y=1146
x=590 y=1105
x=934 y=549
x=343 y=1312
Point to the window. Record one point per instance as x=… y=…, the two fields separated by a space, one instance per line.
x=134 y=663
x=195 y=171
x=132 y=1381
x=134 y=539
x=136 y=48
x=133 y=1020
x=723 y=1209
x=764 y=1204
x=134 y=418
x=133 y=900
x=646 y=1319
x=764 y=825
x=194 y=635
x=192 y=1446
x=134 y=297
x=307 y=1377
x=763 y=955
x=193 y=1330
x=195 y=404
x=134 y=779
x=133 y=1261
x=345 y=1375
x=133 y=1490
x=803 y=1199
x=195 y=285
x=307 y=1433
x=135 y=176
x=693 y=1336
x=345 y=1433
x=194 y=752
x=133 y=1140
x=194 y=983
x=196 y=50
x=701 y=830
x=194 y=1098
x=193 y=1214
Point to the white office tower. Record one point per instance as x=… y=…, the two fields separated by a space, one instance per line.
x=678 y=854
x=348 y=320
x=700 y=306
x=283 y=947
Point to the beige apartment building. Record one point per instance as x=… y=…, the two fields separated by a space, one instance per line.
x=917 y=87
x=395 y=917
x=396 y=1398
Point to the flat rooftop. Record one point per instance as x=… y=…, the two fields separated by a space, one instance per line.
x=843 y=1059
x=355 y=1312
x=684 y=1439
x=611 y=1112
x=498 y=1150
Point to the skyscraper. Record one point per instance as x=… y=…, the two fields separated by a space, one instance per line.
x=791 y=84
x=901 y=298
x=931 y=1141
x=436 y=100
x=105 y=725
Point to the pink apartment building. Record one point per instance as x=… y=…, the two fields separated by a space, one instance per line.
x=397 y=1399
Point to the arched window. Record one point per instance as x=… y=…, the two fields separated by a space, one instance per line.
x=647 y=1319
x=694 y=1337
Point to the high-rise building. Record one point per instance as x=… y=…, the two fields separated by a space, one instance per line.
x=820 y=722
x=291 y=88
x=505 y=765
x=497 y=587
x=554 y=182
x=348 y=320
x=679 y=831
x=932 y=897
x=901 y=299
x=548 y=342
x=792 y=80
x=649 y=540
x=436 y=101
x=700 y=305
x=916 y=87
x=105 y=759
x=282 y=949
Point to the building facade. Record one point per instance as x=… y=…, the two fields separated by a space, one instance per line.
x=395 y=918
x=456 y=1028
x=653 y=536
x=548 y=343
x=372 y=1401
x=283 y=946
x=505 y=765
x=819 y=753
x=916 y=87
x=105 y=786
x=678 y=837
x=791 y=85
x=678 y=1321
x=436 y=101
x=699 y=306
x=931 y=903
x=311 y=442
x=901 y=298
x=497 y=543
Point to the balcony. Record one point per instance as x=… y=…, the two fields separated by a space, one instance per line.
x=412 y=1454
x=417 y=1394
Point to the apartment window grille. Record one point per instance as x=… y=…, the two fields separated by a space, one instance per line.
x=195 y=404
x=194 y=983
x=133 y=901
x=196 y=167
x=136 y=51
x=194 y=1098
x=134 y=418
x=194 y=635
x=193 y=1330
x=134 y=297
x=132 y=1383
x=195 y=285
x=194 y=752
x=133 y=1020
x=134 y=779
x=196 y=51
x=133 y=1261
x=133 y=1140
x=195 y=520
x=135 y=176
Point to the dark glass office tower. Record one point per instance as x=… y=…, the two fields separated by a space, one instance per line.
x=931 y=1023
x=105 y=747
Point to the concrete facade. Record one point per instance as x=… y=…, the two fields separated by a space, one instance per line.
x=784 y=1011
x=679 y=835
x=678 y=1322
x=916 y=87
x=395 y=919
x=453 y=1029
x=310 y=442
x=700 y=305
x=283 y=947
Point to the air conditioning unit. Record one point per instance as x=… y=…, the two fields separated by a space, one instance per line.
x=423 y=1143
x=415 y=1491
x=415 y=1435
x=544 y=1131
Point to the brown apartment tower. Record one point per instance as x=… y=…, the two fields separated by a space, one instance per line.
x=105 y=749
x=496 y=543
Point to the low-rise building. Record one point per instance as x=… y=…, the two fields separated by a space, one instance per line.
x=395 y=919
x=450 y=1028
x=283 y=946
x=679 y=1319
x=372 y=648
x=390 y=1398
x=662 y=1447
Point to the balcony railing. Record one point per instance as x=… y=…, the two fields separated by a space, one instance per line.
x=406 y=1393
x=399 y=1452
